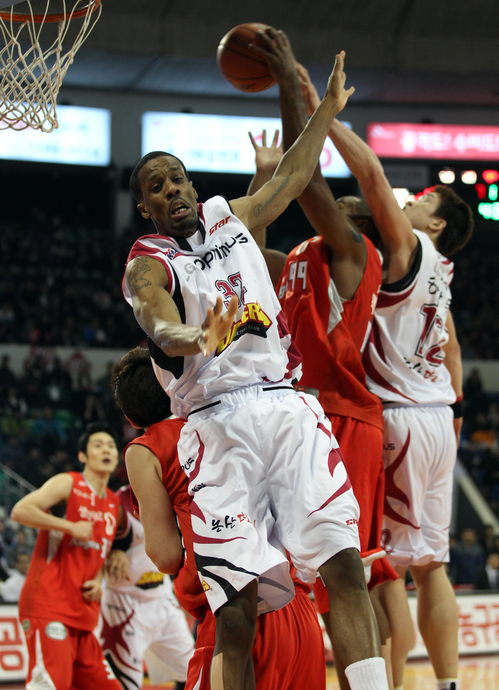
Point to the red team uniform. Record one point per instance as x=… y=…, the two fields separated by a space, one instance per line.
x=57 y=621
x=294 y=628
x=330 y=333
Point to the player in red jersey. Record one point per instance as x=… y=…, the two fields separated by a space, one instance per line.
x=328 y=291
x=416 y=385
x=288 y=651
x=59 y=603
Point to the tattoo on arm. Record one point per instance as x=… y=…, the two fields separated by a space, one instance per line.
x=259 y=208
x=136 y=274
x=177 y=311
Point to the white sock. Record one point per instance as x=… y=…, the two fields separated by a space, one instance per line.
x=368 y=674
x=447 y=684
x=399 y=687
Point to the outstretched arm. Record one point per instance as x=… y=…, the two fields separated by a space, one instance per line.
x=317 y=200
x=162 y=538
x=298 y=164
x=393 y=225
x=30 y=510
x=267 y=159
x=159 y=317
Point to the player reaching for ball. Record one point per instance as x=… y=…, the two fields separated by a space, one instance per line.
x=328 y=290
x=413 y=363
x=265 y=472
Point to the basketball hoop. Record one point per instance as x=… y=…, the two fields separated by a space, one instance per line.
x=31 y=76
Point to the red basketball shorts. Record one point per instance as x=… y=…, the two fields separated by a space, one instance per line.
x=65 y=658
x=362 y=449
x=288 y=652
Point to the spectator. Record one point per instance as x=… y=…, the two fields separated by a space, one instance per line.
x=7 y=376
x=18 y=544
x=14 y=402
x=487 y=540
x=12 y=453
x=11 y=588
x=488 y=577
x=4 y=568
x=14 y=424
x=48 y=431
x=468 y=556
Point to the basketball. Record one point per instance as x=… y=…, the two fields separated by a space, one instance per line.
x=245 y=69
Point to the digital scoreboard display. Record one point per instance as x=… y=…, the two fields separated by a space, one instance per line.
x=220 y=143
x=82 y=138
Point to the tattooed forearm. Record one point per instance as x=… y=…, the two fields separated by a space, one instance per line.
x=136 y=273
x=259 y=208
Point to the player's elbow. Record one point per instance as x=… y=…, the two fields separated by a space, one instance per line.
x=17 y=514
x=373 y=175
x=167 y=561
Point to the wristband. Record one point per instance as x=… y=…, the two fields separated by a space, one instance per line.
x=457 y=407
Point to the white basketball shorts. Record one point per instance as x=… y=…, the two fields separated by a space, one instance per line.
x=263 y=465
x=419 y=453
x=154 y=630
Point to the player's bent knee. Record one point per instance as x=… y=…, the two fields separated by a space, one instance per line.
x=236 y=620
x=344 y=571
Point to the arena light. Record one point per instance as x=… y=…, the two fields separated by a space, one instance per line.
x=490 y=176
x=493 y=192
x=481 y=190
x=489 y=211
x=469 y=177
x=401 y=194
x=447 y=176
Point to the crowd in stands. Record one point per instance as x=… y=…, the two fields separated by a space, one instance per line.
x=473 y=561
x=43 y=412
x=61 y=286
x=474 y=302
x=479 y=448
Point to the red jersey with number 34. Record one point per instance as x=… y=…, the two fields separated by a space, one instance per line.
x=61 y=563
x=330 y=332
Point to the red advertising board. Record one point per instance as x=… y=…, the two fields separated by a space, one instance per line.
x=443 y=142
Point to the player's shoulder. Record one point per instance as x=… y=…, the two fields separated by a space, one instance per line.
x=313 y=245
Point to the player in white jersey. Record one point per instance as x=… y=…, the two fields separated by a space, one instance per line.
x=141 y=618
x=404 y=360
x=260 y=458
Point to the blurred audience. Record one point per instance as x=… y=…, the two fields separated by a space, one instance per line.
x=11 y=588
x=487 y=577
x=467 y=558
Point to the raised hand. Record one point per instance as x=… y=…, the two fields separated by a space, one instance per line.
x=267 y=158
x=310 y=95
x=217 y=325
x=336 y=84
x=277 y=52
x=82 y=530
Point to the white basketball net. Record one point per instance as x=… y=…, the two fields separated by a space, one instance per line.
x=31 y=76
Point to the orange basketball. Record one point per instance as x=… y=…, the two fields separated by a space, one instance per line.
x=244 y=68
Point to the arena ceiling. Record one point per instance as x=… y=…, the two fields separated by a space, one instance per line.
x=398 y=51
